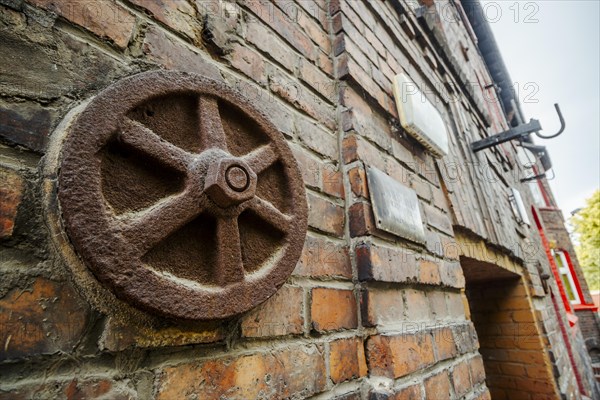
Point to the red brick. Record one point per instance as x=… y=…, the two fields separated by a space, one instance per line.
x=282 y=314
x=355 y=148
x=417 y=305
x=333 y=309
x=438 y=386
x=325 y=215
x=317 y=139
x=385 y=264
x=477 y=370
x=165 y=51
x=104 y=18
x=44 y=318
x=286 y=28
x=452 y=275
x=429 y=272
x=271 y=45
x=456 y=305
x=333 y=181
x=438 y=219
x=408 y=393
x=176 y=14
x=11 y=194
x=460 y=379
x=322 y=257
x=249 y=62
x=381 y=306
x=437 y=302
x=444 y=344
x=325 y=63
x=314 y=31
x=296 y=372
x=347 y=360
x=302 y=99
x=361 y=220
x=76 y=389
x=309 y=166
x=358 y=182
x=318 y=80
x=396 y=356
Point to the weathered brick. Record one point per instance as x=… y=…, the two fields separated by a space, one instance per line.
x=385 y=264
x=270 y=44
x=396 y=356
x=438 y=386
x=303 y=99
x=456 y=306
x=429 y=272
x=361 y=219
x=437 y=302
x=322 y=257
x=318 y=80
x=417 y=305
x=297 y=371
x=309 y=166
x=248 y=62
x=325 y=63
x=412 y=392
x=120 y=335
x=438 y=219
x=276 y=19
x=452 y=275
x=333 y=309
x=358 y=182
x=27 y=124
x=176 y=14
x=76 y=389
x=382 y=306
x=347 y=360
x=282 y=314
x=104 y=18
x=317 y=139
x=356 y=148
x=167 y=52
x=318 y=35
x=460 y=379
x=44 y=318
x=333 y=181
x=325 y=215
x=477 y=369
x=465 y=338
x=12 y=186
x=445 y=346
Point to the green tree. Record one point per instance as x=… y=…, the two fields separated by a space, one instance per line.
x=586 y=224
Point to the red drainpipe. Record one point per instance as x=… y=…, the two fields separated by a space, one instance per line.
x=565 y=300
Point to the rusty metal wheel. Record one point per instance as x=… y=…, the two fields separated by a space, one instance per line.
x=181 y=197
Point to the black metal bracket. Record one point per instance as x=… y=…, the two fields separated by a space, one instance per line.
x=518 y=132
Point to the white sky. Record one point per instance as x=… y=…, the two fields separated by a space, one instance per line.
x=552 y=51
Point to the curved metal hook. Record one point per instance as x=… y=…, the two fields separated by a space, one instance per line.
x=562 y=125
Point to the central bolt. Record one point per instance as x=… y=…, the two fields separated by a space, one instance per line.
x=237 y=178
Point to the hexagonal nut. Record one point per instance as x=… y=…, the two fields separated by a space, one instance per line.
x=230 y=181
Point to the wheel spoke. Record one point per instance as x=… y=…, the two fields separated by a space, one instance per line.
x=141 y=138
x=212 y=133
x=270 y=214
x=229 y=252
x=261 y=158
x=146 y=229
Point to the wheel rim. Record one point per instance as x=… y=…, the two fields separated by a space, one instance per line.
x=181 y=197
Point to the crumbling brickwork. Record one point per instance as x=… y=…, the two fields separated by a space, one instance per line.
x=365 y=314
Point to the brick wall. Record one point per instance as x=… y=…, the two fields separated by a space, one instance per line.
x=365 y=314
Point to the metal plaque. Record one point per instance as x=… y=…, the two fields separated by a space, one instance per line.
x=395 y=206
